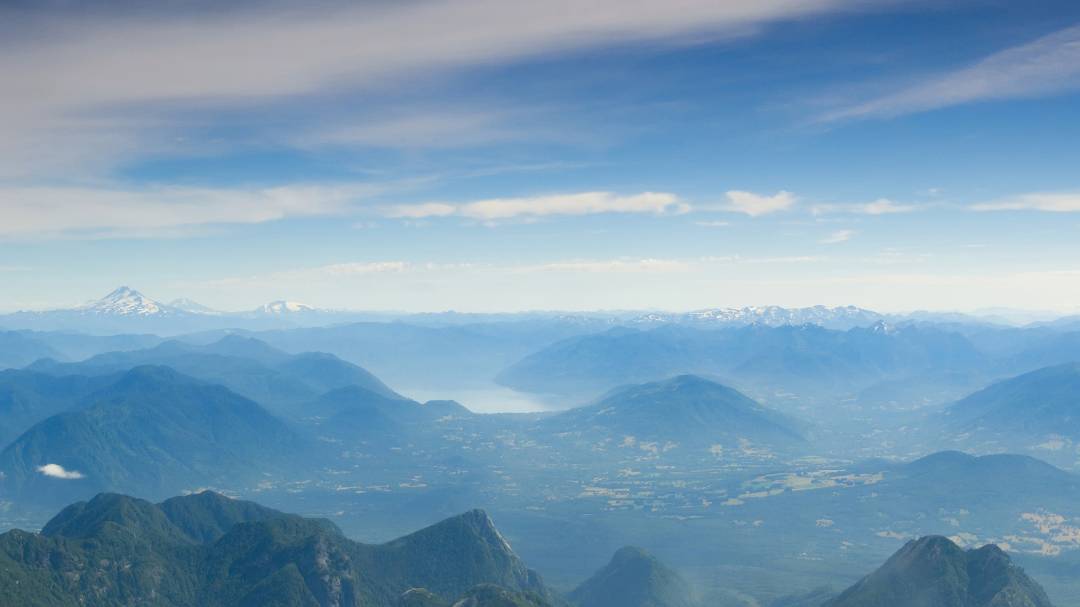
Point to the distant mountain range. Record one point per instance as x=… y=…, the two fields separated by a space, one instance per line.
x=935 y=572
x=205 y=550
x=805 y=358
x=844 y=317
x=247 y=366
x=125 y=301
x=127 y=310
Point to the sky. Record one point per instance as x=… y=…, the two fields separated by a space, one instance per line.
x=503 y=155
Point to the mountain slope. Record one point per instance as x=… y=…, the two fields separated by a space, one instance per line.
x=935 y=572
x=153 y=431
x=633 y=578
x=684 y=409
x=1033 y=405
x=17 y=349
x=120 y=550
x=27 y=397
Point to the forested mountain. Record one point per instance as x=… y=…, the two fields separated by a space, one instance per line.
x=206 y=550
x=634 y=578
x=684 y=409
x=935 y=572
x=154 y=431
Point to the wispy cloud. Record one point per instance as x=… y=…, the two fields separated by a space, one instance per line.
x=611 y=266
x=754 y=204
x=97 y=212
x=1046 y=66
x=584 y=203
x=1049 y=202
x=324 y=273
x=881 y=206
x=106 y=83
x=837 y=237
x=58 y=471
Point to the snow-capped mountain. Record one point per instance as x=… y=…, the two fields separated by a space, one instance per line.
x=126 y=301
x=282 y=307
x=194 y=307
x=774 y=316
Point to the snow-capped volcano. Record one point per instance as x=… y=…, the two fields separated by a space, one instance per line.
x=127 y=302
x=194 y=307
x=282 y=307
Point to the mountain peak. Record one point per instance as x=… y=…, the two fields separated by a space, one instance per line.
x=633 y=577
x=125 y=301
x=933 y=570
x=187 y=305
x=281 y=307
x=105 y=510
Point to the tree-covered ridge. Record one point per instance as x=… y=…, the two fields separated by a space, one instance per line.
x=209 y=550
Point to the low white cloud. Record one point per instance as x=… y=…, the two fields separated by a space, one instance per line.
x=712 y=224
x=837 y=237
x=753 y=204
x=1047 y=202
x=1046 y=66
x=58 y=471
x=584 y=203
x=97 y=212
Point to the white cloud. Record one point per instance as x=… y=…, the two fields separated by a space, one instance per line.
x=1045 y=66
x=754 y=204
x=838 y=237
x=712 y=224
x=584 y=203
x=28 y=211
x=1045 y=201
x=58 y=471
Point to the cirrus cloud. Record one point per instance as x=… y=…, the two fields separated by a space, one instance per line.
x=101 y=86
x=116 y=212
x=1045 y=66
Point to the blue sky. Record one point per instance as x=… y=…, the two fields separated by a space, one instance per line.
x=479 y=155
